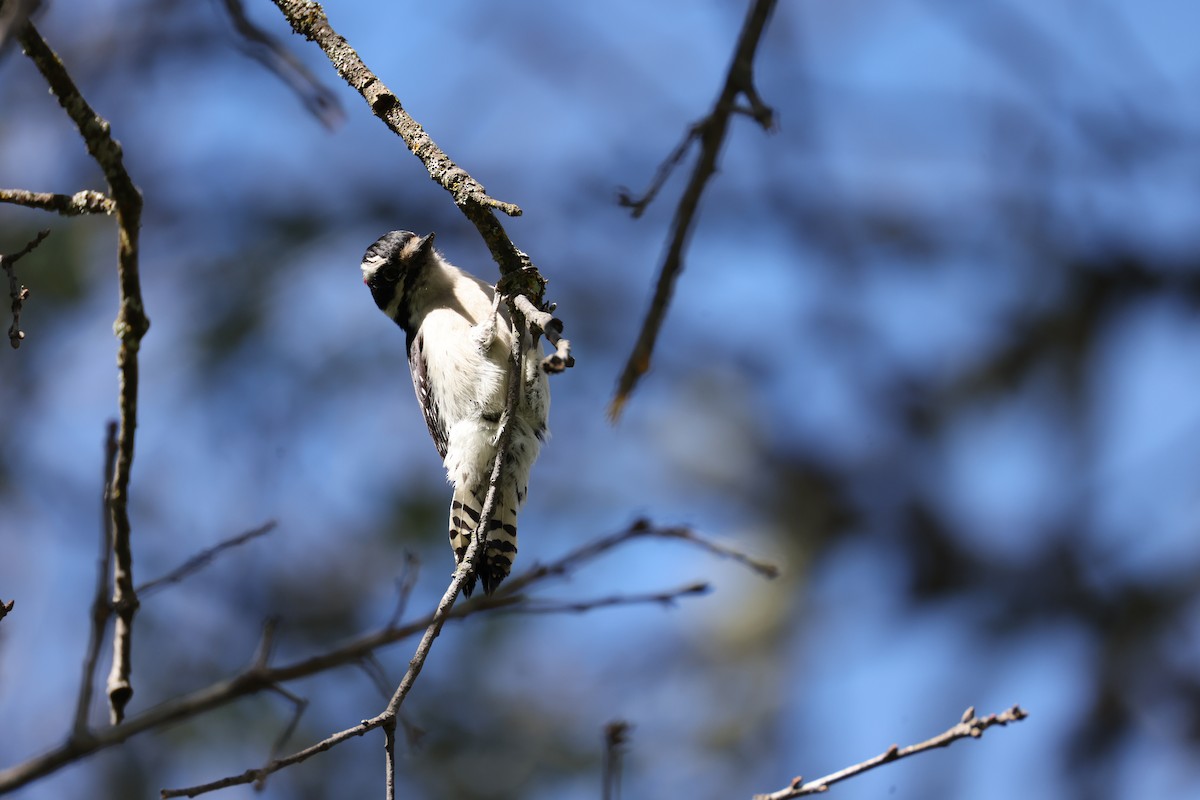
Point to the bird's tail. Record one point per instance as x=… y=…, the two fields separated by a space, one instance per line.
x=465 y=510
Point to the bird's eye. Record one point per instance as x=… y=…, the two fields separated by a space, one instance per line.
x=391 y=274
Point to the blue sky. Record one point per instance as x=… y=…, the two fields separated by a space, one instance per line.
x=931 y=183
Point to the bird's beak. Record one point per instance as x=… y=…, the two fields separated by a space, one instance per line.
x=425 y=242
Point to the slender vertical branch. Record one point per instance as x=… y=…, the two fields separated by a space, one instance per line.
x=101 y=610
x=131 y=325
x=389 y=746
x=616 y=734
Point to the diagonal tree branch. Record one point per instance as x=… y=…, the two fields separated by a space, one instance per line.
x=710 y=133
x=309 y=20
x=970 y=726
x=131 y=325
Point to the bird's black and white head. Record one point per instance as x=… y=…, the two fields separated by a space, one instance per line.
x=393 y=267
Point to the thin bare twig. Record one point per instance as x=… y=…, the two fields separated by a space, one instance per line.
x=763 y=568
x=616 y=735
x=299 y=706
x=69 y=205
x=374 y=670
x=203 y=559
x=101 y=610
x=640 y=528
x=970 y=726
x=266 y=643
x=710 y=132
x=548 y=606
x=404 y=586
x=16 y=292
x=638 y=205
x=131 y=325
x=270 y=52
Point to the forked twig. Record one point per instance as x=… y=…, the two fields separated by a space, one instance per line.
x=17 y=293
x=710 y=133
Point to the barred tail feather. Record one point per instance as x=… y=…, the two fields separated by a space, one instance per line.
x=501 y=548
x=465 y=510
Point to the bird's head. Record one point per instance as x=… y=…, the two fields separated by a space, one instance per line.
x=392 y=265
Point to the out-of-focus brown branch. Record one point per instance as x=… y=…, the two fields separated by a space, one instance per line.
x=13 y=14
x=6 y=607
x=17 y=293
x=640 y=529
x=710 y=133
x=69 y=205
x=270 y=52
x=970 y=726
x=616 y=735
x=131 y=325
x=203 y=559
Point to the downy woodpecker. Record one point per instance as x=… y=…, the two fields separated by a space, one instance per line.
x=459 y=339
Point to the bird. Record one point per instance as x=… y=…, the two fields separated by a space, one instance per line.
x=459 y=338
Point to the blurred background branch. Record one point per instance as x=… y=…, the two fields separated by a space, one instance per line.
x=710 y=133
x=970 y=727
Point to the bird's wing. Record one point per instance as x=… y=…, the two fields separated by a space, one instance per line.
x=420 y=376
